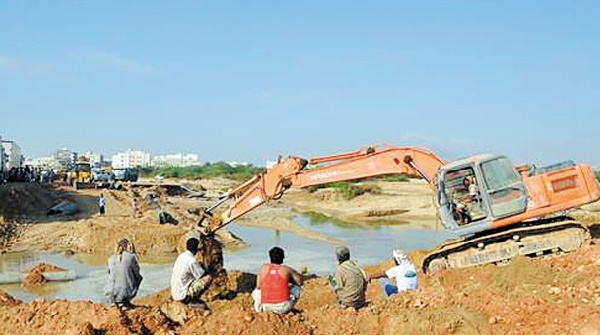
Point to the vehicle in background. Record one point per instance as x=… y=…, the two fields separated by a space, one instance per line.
x=102 y=178
x=125 y=174
x=80 y=175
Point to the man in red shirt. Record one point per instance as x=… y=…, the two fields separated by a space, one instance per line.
x=277 y=285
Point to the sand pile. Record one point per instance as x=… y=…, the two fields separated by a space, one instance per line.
x=35 y=275
x=18 y=200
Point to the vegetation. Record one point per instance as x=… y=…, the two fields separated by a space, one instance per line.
x=349 y=189
x=598 y=175
x=392 y=177
x=208 y=170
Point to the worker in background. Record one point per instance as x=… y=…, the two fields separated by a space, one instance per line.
x=349 y=282
x=134 y=204
x=124 y=277
x=404 y=273
x=101 y=203
x=277 y=285
x=189 y=279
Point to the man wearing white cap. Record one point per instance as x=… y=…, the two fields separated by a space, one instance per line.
x=404 y=273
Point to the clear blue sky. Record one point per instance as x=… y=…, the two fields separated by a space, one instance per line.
x=248 y=80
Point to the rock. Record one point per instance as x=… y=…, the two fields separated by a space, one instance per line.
x=584 y=300
x=493 y=320
x=180 y=313
x=248 y=318
x=420 y=304
x=554 y=290
x=85 y=329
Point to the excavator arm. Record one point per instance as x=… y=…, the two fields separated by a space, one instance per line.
x=291 y=172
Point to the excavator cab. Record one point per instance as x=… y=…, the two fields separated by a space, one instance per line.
x=474 y=191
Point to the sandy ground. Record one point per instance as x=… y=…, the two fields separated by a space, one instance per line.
x=550 y=295
x=403 y=203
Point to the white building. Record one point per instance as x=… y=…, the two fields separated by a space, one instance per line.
x=131 y=159
x=95 y=159
x=236 y=163
x=42 y=162
x=177 y=160
x=13 y=154
x=269 y=164
x=64 y=157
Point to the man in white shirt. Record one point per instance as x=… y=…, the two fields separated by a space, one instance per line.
x=404 y=273
x=189 y=280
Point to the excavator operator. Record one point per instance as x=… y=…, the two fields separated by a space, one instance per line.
x=465 y=200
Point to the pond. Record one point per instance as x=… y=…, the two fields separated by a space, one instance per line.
x=368 y=245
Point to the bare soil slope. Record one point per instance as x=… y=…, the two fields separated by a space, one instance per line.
x=552 y=295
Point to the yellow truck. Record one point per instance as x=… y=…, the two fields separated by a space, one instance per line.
x=80 y=176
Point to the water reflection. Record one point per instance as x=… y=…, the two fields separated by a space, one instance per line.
x=368 y=245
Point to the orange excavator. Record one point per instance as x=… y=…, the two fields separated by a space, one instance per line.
x=498 y=210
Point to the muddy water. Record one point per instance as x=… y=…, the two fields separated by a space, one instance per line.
x=90 y=280
x=368 y=245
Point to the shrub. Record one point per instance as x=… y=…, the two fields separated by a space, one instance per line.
x=208 y=170
x=349 y=189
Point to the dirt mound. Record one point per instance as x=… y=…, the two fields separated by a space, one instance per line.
x=35 y=275
x=551 y=295
x=9 y=231
x=19 y=200
x=7 y=300
x=80 y=317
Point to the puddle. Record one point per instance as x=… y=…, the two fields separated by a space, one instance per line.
x=90 y=281
x=368 y=245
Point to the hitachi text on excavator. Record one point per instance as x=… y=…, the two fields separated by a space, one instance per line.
x=499 y=210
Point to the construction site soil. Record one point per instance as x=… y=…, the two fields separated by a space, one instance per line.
x=545 y=295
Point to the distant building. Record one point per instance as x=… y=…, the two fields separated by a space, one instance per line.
x=131 y=159
x=14 y=159
x=269 y=164
x=65 y=157
x=235 y=163
x=42 y=162
x=177 y=160
x=95 y=159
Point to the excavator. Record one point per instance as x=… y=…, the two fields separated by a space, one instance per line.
x=496 y=209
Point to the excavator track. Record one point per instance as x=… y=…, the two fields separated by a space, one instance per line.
x=528 y=239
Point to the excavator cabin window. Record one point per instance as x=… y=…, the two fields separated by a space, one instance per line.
x=462 y=190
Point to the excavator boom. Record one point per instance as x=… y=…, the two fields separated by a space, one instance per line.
x=290 y=172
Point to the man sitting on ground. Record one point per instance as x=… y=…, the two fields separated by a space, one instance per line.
x=189 y=280
x=404 y=272
x=277 y=285
x=350 y=281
